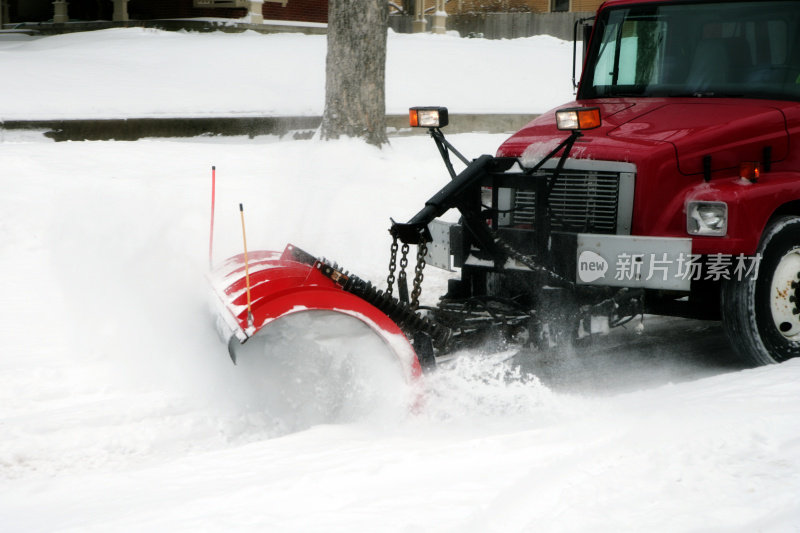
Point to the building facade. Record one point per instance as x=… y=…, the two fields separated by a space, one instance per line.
x=98 y=10
x=12 y=11
x=458 y=7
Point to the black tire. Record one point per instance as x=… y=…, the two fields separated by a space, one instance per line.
x=761 y=315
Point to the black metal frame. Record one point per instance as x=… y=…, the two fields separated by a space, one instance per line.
x=587 y=33
x=463 y=193
x=545 y=292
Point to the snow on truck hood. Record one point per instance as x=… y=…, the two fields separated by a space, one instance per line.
x=728 y=130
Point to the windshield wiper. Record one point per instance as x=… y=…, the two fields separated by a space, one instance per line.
x=705 y=94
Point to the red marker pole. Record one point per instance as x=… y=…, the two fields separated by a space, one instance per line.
x=211 y=232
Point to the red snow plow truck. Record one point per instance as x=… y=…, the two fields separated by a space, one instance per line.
x=670 y=186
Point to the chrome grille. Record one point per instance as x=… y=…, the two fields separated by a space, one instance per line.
x=581 y=201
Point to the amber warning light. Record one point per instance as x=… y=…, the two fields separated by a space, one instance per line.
x=750 y=170
x=578 y=118
x=427 y=117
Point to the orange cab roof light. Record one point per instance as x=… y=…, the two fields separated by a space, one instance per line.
x=578 y=118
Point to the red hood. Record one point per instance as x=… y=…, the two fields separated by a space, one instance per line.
x=728 y=130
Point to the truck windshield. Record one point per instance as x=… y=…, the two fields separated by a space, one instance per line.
x=704 y=49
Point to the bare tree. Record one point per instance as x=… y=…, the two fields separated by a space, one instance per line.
x=355 y=70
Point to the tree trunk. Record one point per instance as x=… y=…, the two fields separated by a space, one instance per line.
x=355 y=70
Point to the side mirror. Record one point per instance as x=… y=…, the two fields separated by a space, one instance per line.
x=586 y=32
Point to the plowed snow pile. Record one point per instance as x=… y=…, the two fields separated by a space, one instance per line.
x=120 y=409
x=320 y=367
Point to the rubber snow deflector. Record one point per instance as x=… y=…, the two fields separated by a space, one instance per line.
x=290 y=282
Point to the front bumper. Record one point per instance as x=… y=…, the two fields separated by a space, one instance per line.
x=661 y=263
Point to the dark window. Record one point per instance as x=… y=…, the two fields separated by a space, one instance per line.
x=559 y=5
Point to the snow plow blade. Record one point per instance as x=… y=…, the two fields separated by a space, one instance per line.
x=287 y=283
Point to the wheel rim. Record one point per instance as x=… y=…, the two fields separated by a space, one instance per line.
x=785 y=296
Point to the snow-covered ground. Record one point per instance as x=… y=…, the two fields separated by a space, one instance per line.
x=120 y=410
x=122 y=73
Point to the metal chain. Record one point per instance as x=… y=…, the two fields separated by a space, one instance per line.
x=422 y=251
x=403 y=263
x=392 y=266
x=529 y=262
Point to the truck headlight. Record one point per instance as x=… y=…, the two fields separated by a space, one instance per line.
x=428 y=117
x=707 y=218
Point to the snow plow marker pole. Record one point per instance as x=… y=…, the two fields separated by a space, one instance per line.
x=211 y=231
x=246 y=271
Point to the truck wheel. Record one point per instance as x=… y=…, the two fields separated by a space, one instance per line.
x=761 y=316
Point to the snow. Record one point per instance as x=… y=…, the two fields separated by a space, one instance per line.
x=121 y=411
x=139 y=72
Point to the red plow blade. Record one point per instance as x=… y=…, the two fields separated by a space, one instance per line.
x=280 y=284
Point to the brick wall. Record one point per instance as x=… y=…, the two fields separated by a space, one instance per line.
x=297 y=10
x=503 y=6
x=301 y=10
x=539 y=6
x=168 y=9
x=585 y=5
